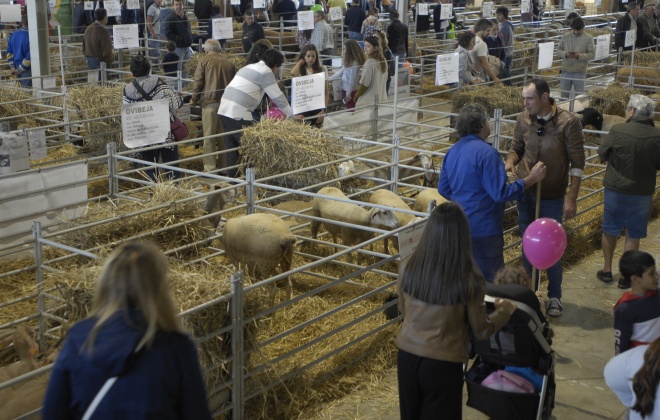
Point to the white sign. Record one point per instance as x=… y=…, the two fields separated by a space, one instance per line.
x=259 y=4
x=145 y=123
x=422 y=9
x=402 y=87
x=93 y=76
x=235 y=2
x=14 y=155
x=409 y=238
x=337 y=90
x=631 y=37
x=308 y=3
x=125 y=36
x=37 y=143
x=546 y=49
x=132 y=4
x=569 y=5
x=113 y=7
x=88 y=5
x=335 y=13
x=10 y=12
x=222 y=28
x=337 y=62
x=599 y=3
x=446 y=69
x=44 y=206
x=524 y=6
x=305 y=20
x=308 y=93
x=487 y=9
x=602 y=46
x=49 y=83
x=445 y=11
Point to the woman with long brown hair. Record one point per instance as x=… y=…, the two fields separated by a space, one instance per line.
x=441 y=297
x=374 y=74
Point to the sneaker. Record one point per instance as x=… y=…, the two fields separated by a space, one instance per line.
x=554 y=307
x=605 y=276
x=624 y=284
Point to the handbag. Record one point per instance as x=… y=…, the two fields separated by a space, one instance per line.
x=177 y=127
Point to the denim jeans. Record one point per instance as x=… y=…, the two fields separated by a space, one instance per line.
x=154 y=50
x=358 y=36
x=25 y=78
x=568 y=79
x=402 y=58
x=93 y=63
x=488 y=253
x=554 y=209
x=184 y=55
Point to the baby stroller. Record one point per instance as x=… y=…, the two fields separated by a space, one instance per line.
x=523 y=345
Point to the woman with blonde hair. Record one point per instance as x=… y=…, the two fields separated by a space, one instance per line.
x=374 y=75
x=131 y=357
x=352 y=61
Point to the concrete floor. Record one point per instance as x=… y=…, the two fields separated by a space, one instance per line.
x=583 y=344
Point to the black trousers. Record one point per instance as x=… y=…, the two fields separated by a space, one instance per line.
x=232 y=141
x=429 y=388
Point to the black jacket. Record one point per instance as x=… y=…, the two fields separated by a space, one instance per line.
x=622 y=25
x=354 y=18
x=178 y=30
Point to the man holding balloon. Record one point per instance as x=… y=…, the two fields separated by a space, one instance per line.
x=546 y=133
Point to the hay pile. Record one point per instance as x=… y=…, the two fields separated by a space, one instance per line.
x=21 y=110
x=642 y=58
x=94 y=101
x=191 y=65
x=275 y=147
x=523 y=54
x=612 y=99
x=507 y=98
x=642 y=76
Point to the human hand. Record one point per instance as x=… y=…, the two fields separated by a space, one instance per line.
x=537 y=173
x=509 y=166
x=505 y=305
x=301 y=61
x=570 y=208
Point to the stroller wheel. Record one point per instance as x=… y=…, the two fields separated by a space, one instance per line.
x=549 y=402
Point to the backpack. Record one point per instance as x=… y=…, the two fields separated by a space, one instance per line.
x=370 y=30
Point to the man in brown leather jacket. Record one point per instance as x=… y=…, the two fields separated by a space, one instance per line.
x=549 y=134
x=212 y=75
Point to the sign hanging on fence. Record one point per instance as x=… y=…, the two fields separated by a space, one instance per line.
x=112 y=7
x=88 y=5
x=569 y=5
x=631 y=38
x=305 y=20
x=335 y=13
x=308 y=93
x=524 y=6
x=125 y=36
x=487 y=9
x=222 y=28
x=546 y=50
x=133 y=4
x=602 y=46
x=145 y=123
x=14 y=154
x=259 y=4
x=446 y=69
x=402 y=87
x=446 y=11
x=422 y=9
x=235 y=2
x=409 y=238
x=10 y=12
x=37 y=144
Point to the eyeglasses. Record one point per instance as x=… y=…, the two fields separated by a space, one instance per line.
x=541 y=129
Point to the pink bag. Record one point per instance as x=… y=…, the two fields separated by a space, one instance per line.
x=509 y=382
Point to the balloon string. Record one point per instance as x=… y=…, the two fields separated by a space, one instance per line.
x=536 y=276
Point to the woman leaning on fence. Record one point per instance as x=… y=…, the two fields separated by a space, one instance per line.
x=134 y=336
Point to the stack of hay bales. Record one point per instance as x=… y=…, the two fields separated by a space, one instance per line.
x=237 y=60
x=94 y=101
x=523 y=54
x=612 y=99
x=276 y=147
x=642 y=58
x=507 y=98
x=289 y=42
x=646 y=69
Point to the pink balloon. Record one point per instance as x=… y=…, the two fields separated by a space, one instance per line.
x=544 y=242
x=275 y=114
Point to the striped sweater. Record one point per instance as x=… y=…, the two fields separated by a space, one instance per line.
x=246 y=89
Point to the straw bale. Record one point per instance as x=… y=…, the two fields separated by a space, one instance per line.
x=191 y=65
x=507 y=98
x=612 y=99
x=275 y=147
x=642 y=58
x=22 y=111
x=643 y=76
x=523 y=54
x=94 y=101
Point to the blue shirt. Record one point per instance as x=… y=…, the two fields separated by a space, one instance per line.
x=473 y=175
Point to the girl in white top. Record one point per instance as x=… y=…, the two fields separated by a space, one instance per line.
x=353 y=60
x=309 y=63
x=374 y=75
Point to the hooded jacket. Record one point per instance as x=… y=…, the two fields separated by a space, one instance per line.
x=162 y=381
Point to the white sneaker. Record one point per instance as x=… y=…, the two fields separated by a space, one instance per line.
x=554 y=307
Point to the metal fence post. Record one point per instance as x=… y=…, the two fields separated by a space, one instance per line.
x=38 y=261
x=237 y=346
x=497 y=128
x=374 y=119
x=249 y=190
x=104 y=74
x=112 y=170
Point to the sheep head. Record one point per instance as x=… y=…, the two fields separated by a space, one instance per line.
x=382 y=217
x=591 y=116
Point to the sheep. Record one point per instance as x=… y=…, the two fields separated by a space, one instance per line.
x=26 y=348
x=348 y=213
x=425 y=197
x=262 y=241
x=24 y=398
x=216 y=202
x=406 y=157
x=591 y=116
x=388 y=198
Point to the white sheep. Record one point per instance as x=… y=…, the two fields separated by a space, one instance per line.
x=24 y=398
x=216 y=201
x=388 y=198
x=406 y=157
x=348 y=213
x=425 y=197
x=26 y=348
x=261 y=241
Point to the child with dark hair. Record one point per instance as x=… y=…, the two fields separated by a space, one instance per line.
x=170 y=60
x=637 y=313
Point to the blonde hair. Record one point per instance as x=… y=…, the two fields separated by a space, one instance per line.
x=134 y=277
x=513 y=275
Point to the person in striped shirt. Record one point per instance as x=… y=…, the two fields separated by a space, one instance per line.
x=243 y=95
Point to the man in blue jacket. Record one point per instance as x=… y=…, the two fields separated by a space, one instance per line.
x=473 y=175
x=18 y=54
